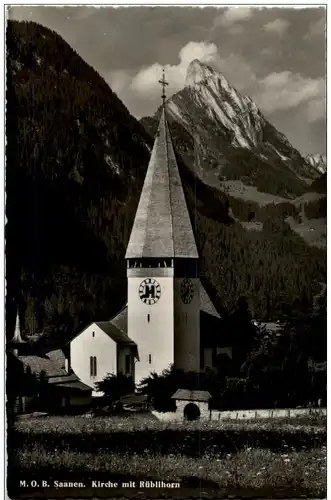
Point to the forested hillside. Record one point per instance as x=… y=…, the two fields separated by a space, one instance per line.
x=76 y=160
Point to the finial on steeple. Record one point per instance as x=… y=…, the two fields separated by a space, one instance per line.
x=163 y=83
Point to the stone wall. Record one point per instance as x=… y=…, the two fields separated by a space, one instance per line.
x=203 y=407
x=237 y=415
x=257 y=414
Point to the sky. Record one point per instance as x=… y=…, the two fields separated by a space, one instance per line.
x=277 y=55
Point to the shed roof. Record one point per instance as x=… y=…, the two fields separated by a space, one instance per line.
x=62 y=379
x=76 y=385
x=52 y=363
x=162 y=226
x=70 y=381
x=187 y=395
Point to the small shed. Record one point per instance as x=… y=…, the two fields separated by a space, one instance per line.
x=69 y=392
x=193 y=405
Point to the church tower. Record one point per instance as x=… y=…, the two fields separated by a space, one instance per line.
x=162 y=267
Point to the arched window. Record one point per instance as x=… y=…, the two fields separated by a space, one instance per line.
x=148 y=318
x=93 y=366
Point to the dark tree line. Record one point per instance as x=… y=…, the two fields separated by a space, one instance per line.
x=316 y=209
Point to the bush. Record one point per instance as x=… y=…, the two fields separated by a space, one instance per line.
x=115 y=386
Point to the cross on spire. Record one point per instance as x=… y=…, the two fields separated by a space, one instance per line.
x=163 y=83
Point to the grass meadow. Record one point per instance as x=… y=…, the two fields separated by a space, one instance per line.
x=256 y=457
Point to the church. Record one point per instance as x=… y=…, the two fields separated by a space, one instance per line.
x=167 y=304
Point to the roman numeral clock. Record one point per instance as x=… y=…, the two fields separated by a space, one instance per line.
x=187 y=291
x=149 y=291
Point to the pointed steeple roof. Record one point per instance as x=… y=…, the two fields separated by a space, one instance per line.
x=162 y=226
x=17 y=339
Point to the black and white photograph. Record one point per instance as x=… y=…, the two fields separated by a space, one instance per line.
x=165 y=192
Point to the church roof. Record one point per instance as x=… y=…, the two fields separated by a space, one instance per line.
x=121 y=319
x=206 y=304
x=162 y=226
x=115 y=328
x=117 y=335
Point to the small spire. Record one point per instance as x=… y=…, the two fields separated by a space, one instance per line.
x=17 y=339
x=164 y=83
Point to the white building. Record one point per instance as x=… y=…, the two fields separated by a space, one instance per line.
x=160 y=325
x=102 y=349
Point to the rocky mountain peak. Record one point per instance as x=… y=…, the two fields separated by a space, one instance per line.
x=198 y=72
x=236 y=141
x=317 y=161
x=221 y=102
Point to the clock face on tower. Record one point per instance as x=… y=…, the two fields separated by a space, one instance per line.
x=187 y=291
x=149 y=291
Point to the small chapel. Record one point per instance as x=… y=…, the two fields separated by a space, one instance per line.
x=167 y=305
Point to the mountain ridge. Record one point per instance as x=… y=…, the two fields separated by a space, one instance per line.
x=236 y=141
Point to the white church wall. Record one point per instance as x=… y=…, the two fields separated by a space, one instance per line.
x=168 y=416
x=151 y=326
x=187 y=328
x=93 y=342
